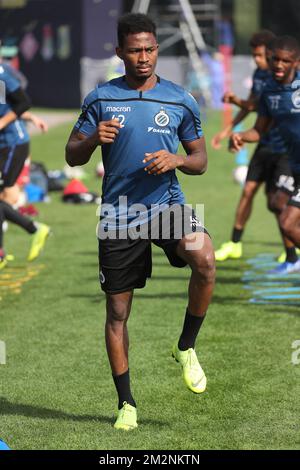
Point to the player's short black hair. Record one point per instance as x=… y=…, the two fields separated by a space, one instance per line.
x=132 y=23
x=287 y=43
x=262 y=38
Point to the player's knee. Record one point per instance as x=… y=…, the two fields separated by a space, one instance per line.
x=277 y=202
x=204 y=267
x=10 y=195
x=117 y=311
x=117 y=315
x=287 y=226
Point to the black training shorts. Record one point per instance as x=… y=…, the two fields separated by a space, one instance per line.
x=271 y=168
x=125 y=264
x=12 y=160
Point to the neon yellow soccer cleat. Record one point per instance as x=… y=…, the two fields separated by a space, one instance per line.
x=127 y=419
x=3 y=262
x=229 y=250
x=193 y=374
x=38 y=242
x=5 y=259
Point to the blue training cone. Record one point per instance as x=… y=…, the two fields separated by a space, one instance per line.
x=3 y=446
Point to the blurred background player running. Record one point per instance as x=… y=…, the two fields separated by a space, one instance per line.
x=14 y=149
x=269 y=163
x=279 y=105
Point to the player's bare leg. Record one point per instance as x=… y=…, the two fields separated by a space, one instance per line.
x=118 y=308
x=277 y=202
x=233 y=248
x=11 y=194
x=244 y=207
x=202 y=263
x=290 y=224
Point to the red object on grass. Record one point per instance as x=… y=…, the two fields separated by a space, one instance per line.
x=75 y=187
x=28 y=210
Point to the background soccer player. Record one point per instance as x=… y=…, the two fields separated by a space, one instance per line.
x=139 y=120
x=14 y=149
x=268 y=164
x=279 y=106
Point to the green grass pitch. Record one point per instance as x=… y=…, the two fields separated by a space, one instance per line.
x=56 y=390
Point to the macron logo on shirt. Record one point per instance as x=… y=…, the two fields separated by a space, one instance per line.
x=118 y=109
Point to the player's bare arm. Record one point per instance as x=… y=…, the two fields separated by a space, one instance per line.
x=237 y=139
x=35 y=120
x=7 y=119
x=80 y=147
x=250 y=104
x=225 y=133
x=194 y=163
x=246 y=107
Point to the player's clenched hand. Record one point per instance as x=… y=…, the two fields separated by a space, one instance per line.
x=39 y=123
x=217 y=138
x=107 y=131
x=235 y=142
x=228 y=97
x=161 y=162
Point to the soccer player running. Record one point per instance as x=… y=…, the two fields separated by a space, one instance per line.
x=268 y=164
x=138 y=120
x=279 y=105
x=14 y=149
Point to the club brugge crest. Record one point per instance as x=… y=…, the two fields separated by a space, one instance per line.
x=161 y=119
x=296 y=99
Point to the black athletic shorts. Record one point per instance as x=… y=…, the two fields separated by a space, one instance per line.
x=295 y=197
x=12 y=160
x=125 y=264
x=271 y=168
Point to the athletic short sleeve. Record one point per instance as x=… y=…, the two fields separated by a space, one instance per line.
x=11 y=83
x=90 y=115
x=190 y=128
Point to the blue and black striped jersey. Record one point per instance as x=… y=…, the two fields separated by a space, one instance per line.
x=273 y=138
x=152 y=120
x=282 y=103
x=16 y=132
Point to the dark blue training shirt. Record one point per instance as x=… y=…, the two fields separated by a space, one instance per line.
x=152 y=120
x=282 y=103
x=16 y=132
x=272 y=139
